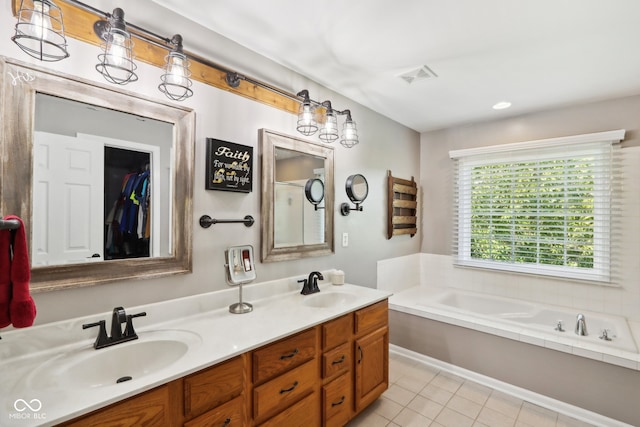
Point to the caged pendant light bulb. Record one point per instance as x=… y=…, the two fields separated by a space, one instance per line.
x=40 y=30
x=329 y=129
x=176 y=83
x=349 y=131
x=116 y=63
x=311 y=119
x=307 y=124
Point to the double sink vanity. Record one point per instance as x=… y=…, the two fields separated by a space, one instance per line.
x=311 y=360
x=308 y=359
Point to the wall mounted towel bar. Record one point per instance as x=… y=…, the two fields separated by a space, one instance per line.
x=9 y=224
x=206 y=221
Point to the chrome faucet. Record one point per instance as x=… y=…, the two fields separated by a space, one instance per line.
x=118 y=317
x=310 y=285
x=581 y=325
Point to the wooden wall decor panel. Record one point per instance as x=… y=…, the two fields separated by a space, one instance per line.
x=402 y=206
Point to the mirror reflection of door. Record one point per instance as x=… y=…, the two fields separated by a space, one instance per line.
x=67 y=173
x=102 y=184
x=296 y=221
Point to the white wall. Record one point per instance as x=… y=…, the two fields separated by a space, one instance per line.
x=384 y=145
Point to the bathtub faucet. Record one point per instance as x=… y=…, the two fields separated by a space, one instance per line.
x=581 y=325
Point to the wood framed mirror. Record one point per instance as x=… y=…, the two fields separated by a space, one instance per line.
x=44 y=111
x=292 y=228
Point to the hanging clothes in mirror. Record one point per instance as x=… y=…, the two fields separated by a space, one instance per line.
x=128 y=221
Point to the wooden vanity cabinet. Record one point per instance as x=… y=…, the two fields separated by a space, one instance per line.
x=324 y=375
x=371 y=349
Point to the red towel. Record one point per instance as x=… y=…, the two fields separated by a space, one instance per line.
x=22 y=308
x=5 y=277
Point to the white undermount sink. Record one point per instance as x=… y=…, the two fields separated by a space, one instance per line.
x=329 y=299
x=90 y=368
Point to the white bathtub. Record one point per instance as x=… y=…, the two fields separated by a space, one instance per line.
x=529 y=322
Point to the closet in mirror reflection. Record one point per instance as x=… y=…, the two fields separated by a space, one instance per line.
x=96 y=185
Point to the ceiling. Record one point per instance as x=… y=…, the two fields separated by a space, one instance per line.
x=535 y=54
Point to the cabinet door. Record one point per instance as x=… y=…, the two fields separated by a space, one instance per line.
x=148 y=409
x=371 y=367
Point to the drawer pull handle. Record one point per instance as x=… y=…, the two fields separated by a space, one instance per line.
x=290 y=355
x=361 y=355
x=338 y=403
x=290 y=389
x=226 y=422
x=338 y=361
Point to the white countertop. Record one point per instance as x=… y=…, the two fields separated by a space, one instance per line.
x=34 y=392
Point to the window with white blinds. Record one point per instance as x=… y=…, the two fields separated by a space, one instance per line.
x=542 y=207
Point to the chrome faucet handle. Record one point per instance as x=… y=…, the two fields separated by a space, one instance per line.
x=605 y=335
x=581 y=325
x=559 y=326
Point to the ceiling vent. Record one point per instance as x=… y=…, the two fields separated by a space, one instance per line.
x=422 y=73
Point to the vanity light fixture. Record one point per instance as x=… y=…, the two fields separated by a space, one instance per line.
x=310 y=121
x=307 y=124
x=176 y=83
x=116 y=63
x=349 y=132
x=40 y=30
x=329 y=130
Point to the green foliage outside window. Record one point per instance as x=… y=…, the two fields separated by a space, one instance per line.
x=538 y=212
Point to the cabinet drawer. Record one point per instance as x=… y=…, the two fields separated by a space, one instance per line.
x=213 y=386
x=305 y=413
x=282 y=391
x=336 y=401
x=337 y=331
x=283 y=355
x=372 y=317
x=336 y=360
x=229 y=414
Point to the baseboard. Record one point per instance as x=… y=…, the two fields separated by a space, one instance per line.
x=521 y=393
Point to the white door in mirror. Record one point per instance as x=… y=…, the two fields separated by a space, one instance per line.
x=68 y=175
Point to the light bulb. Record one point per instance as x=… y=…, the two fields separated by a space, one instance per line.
x=307 y=115
x=116 y=54
x=40 y=23
x=177 y=71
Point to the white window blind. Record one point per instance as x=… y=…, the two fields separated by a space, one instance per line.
x=542 y=207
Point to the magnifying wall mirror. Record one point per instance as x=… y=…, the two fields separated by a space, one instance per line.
x=101 y=178
x=294 y=170
x=314 y=191
x=357 y=189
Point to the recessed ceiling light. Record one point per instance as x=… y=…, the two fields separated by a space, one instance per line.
x=502 y=105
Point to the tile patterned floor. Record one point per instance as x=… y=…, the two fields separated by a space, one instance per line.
x=422 y=396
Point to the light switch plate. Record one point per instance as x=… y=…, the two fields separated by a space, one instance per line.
x=345 y=240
